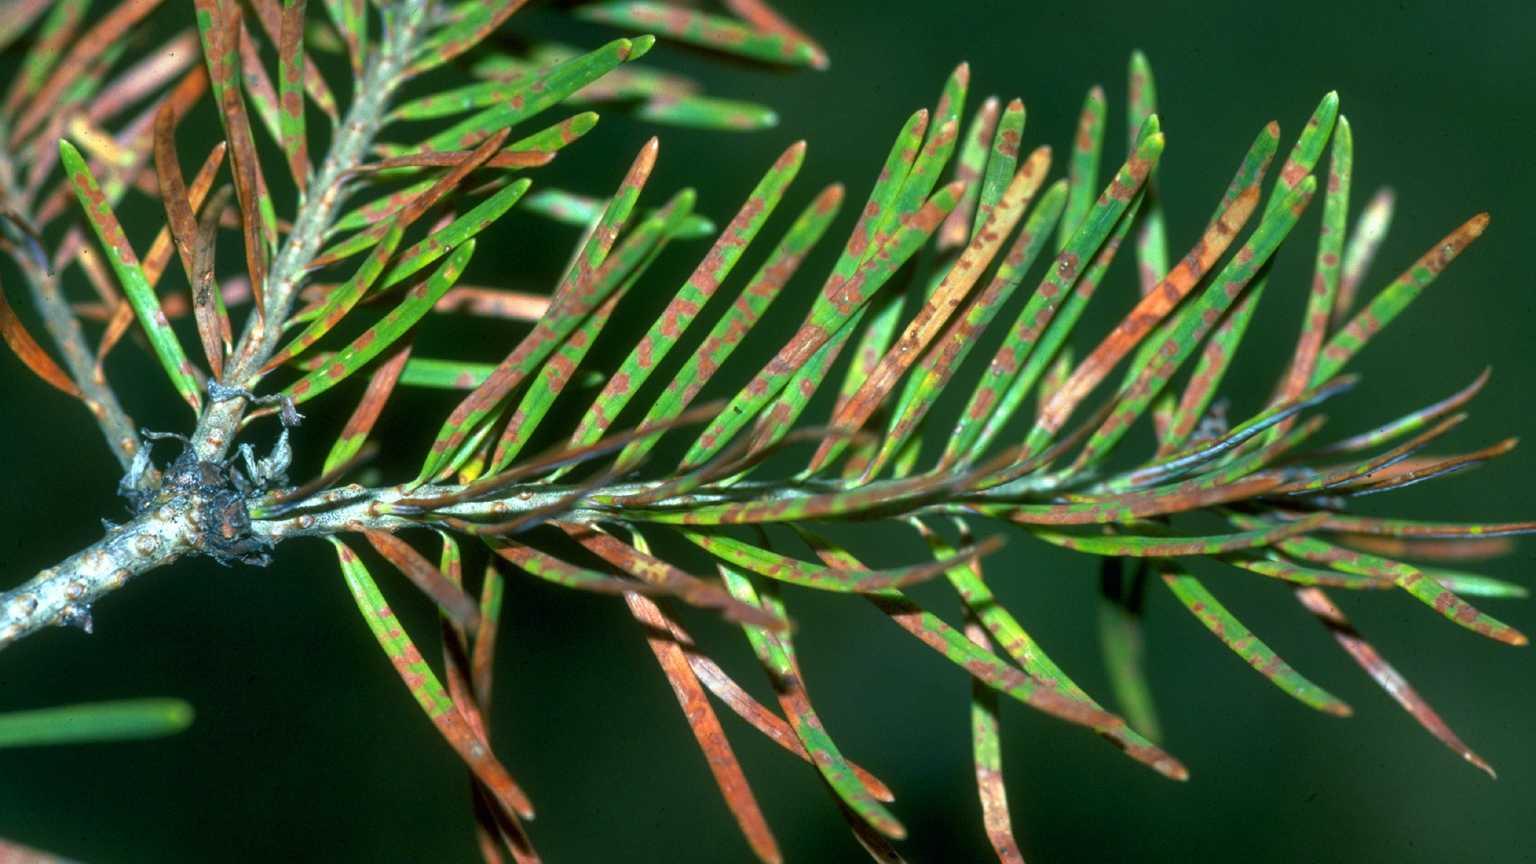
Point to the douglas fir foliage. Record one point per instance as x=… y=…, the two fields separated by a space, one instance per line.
x=962 y=232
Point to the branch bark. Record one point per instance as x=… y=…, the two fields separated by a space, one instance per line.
x=220 y=421
x=64 y=328
x=63 y=594
x=192 y=517
x=186 y=517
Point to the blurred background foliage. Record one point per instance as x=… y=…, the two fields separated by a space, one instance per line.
x=306 y=747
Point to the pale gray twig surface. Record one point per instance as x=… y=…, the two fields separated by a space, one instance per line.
x=196 y=509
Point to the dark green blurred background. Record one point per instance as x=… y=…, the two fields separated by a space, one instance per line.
x=306 y=747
